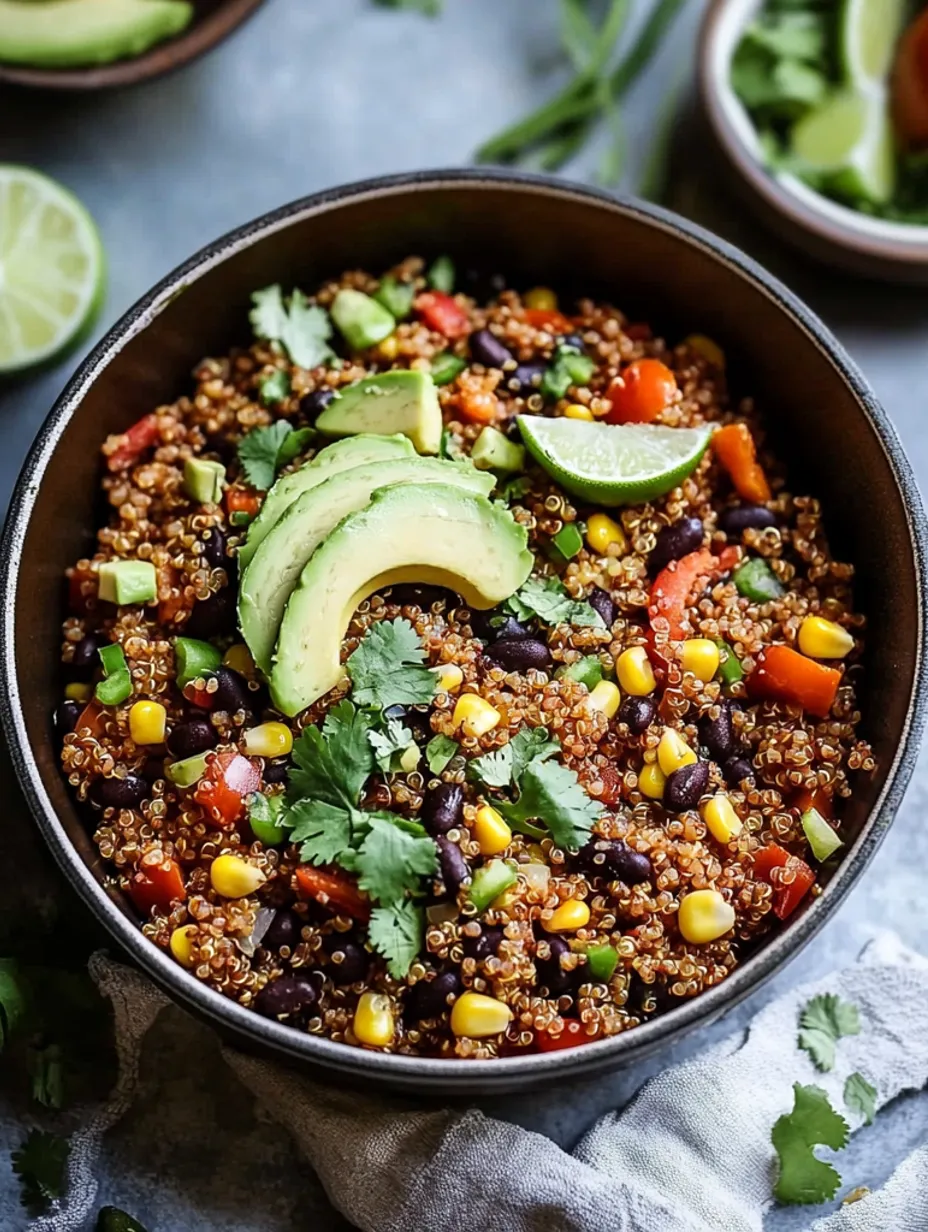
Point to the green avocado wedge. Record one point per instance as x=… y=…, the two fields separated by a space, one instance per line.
x=401 y=400
x=423 y=533
x=71 y=33
x=342 y=456
x=276 y=566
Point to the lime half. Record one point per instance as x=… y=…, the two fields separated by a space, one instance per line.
x=613 y=464
x=849 y=140
x=52 y=269
x=868 y=31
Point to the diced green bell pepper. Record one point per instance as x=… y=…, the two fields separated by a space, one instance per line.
x=822 y=838
x=194 y=659
x=490 y=881
x=730 y=669
x=755 y=580
x=601 y=961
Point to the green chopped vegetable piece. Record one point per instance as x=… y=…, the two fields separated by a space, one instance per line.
x=203 y=480
x=128 y=581
x=187 y=772
x=439 y=752
x=440 y=275
x=117 y=683
x=194 y=659
x=266 y=816
x=493 y=452
x=113 y=658
x=588 y=671
x=569 y=368
x=395 y=296
x=568 y=540
x=730 y=669
x=601 y=962
x=755 y=580
x=362 y=321
x=446 y=367
x=240 y=517
x=822 y=838
x=274 y=387
x=490 y=881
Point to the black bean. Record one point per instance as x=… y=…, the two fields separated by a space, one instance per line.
x=718 y=734
x=685 y=786
x=527 y=377
x=287 y=995
x=745 y=517
x=638 y=712
x=312 y=405
x=601 y=603
x=232 y=691
x=85 y=657
x=519 y=654
x=431 y=998
x=152 y=769
x=284 y=929
x=119 y=793
x=215 y=547
x=66 y=716
x=550 y=972
x=349 y=962
x=276 y=771
x=506 y=627
x=615 y=860
x=485 y=944
x=442 y=808
x=486 y=348
x=737 y=769
x=654 y=998
x=194 y=736
x=574 y=341
x=674 y=542
x=453 y=866
x=214 y=616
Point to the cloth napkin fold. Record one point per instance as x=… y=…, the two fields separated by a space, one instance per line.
x=692 y=1153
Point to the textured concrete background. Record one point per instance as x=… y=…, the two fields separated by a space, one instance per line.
x=306 y=95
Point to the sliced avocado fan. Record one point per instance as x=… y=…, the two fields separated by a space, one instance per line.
x=411 y=533
x=71 y=33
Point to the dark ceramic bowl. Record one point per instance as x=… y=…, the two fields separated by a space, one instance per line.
x=837 y=441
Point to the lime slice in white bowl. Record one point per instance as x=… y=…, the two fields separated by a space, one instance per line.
x=849 y=139
x=613 y=464
x=868 y=31
x=52 y=268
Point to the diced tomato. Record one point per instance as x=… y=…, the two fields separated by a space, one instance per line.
x=821 y=800
x=784 y=675
x=674 y=586
x=443 y=314
x=786 y=897
x=228 y=781
x=242 y=500
x=641 y=392
x=156 y=882
x=133 y=443
x=334 y=889
x=910 y=83
x=734 y=447
x=548 y=319
x=573 y=1036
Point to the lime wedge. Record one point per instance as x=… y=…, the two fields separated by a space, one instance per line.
x=613 y=464
x=849 y=140
x=868 y=31
x=52 y=269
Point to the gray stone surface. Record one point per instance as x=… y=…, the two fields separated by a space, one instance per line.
x=305 y=96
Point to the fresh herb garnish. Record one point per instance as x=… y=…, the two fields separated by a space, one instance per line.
x=302 y=328
x=396 y=932
x=274 y=387
x=547 y=599
x=438 y=753
x=822 y=1023
x=264 y=451
x=392 y=861
x=514 y=489
x=40 y=1164
x=112 y=1219
x=46 y=1071
x=12 y=1000
x=860 y=1096
x=387 y=669
x=395 y=296
x=569 y=367
x=440 y=275
x=504 y=767
x=813 y=1122
x=390 y=743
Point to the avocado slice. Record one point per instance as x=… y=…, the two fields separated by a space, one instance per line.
x=342 y=456
x=70 y=33
x=401 y=400
x=408 y=533
x=276 y=566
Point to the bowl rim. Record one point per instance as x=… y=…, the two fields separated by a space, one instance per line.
x=413 y=1071
x=882 y=239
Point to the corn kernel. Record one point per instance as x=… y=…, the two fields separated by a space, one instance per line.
x=238 y=657
x=673 y=752
x=704 y=915
x=605 y=697
x=474 y=716
x=719 y=815
x=823 y=639
x=701 y=657
x=268 y=740
x=709 y=350
x=389 y=348
x=182 y=944
x=233 y=877
x=147 y=721
x=491 y=832
x=652 y=780
x=373 y=1020
x=635 y=673
x=577 y=411
x=571 y=915
x=540 y=297
x=478 y=1016
x=602 y=532
x=450 y=677
x=78 y=692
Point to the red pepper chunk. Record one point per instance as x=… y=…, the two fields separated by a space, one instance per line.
x=335 y=890
x=242 y=500
x=787 y=896
x=443 y=314
x=641 y=392
x=673 y=586
x=134 y=442
x=573 y=1036
x=548 y=319
x=228 y=781
x=784 y=675
x=156 y=882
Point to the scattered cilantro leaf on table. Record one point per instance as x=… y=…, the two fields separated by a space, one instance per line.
x=46 y=1070
x=822 y=1023
x=387 y=669
x=274 y=387
x=438 y=753
x=547 y=599
x=860 y=1096
x=12 y=999
x=396 y=932
x=265 y=450
x=390 y=744
x=392 y=862
x=303 y=329
x=40 y=1165
x=553 y=794
x=813 y=1122
x=112 y=1219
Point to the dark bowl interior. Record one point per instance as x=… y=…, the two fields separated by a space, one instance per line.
x=656 y=268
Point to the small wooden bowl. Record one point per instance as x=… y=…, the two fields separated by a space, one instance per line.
x=212 y=22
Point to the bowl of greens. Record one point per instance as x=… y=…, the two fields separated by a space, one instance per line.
x=822 y=108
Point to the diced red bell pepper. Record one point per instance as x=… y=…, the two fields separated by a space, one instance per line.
x=242 y=500
x=156 y=882
x=573 y=1036
x=141 y=436
x=335 y=890
x=788 y=896
x=548 y=319
x=784 y=675
x=228 y=781
x=443 y=314
x=674 y=586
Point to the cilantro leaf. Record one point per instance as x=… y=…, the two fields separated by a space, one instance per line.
x=12 y=999
x=553 y=794
x=439 y=752
x=46 y=1069
x=387 y=667
x=275 y=387
x=293 y=444
x=799 y=36
x=302 y=328
x=325 y=830
x=860 y=1096
x=506 y=765
x=822 y=1023
x=265 y=450
x=389 y=745
x=514 y=489
x=493 y=769
x=40 y=1165
x=547 y=599
x=397 y=932
x=812 y=1122
x=392 y=862
x=112 y=1219
x=332 y=765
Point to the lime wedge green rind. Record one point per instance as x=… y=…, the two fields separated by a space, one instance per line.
x=868 y=31
x=849 y=140
x=52 y=268
x=613 y=464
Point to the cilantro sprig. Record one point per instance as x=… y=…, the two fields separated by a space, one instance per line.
x=860 y=1096
x=388 y=667
x=40 y=1163
x=824 y=1021
x=812 y=1122
x=303 y=329
x=550 y=602
x=264 y=451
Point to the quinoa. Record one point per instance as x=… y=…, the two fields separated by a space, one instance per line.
x=242 y=947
